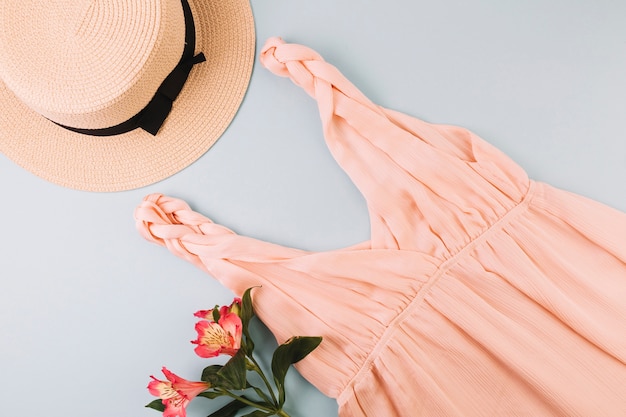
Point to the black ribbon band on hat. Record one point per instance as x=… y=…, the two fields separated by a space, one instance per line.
x=152 y=117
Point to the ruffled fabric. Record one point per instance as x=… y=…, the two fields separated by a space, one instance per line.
x=480 y=293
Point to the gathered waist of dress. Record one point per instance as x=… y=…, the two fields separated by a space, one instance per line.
x=443 y=268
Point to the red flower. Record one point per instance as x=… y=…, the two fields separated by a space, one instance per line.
x=176 y=392
x=221 y=337
x=234 y=307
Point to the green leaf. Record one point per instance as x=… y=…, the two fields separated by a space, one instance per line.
x=156 y=405
x=248 y=345
x=247 y=310
x=258 y=413
x=210 y=375
x=211 y=395
x=292 y=351
x=233 y=374
x=261 y=394
x=230 y=409
x=216 y=314
x=246 y=314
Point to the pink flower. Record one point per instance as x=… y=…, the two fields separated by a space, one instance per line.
x=221 y=337
x=234 y=307
x=175 y=393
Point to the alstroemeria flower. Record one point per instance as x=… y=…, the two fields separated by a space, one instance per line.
x=221 y=337
x=176 y=392
x=234 y=307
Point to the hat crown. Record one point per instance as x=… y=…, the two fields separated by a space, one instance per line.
x=89 y=63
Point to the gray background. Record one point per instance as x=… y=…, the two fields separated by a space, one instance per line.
x=88 y=309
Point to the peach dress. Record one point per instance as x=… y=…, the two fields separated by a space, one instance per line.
x=480 y=293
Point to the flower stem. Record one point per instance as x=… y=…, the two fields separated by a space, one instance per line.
x=248 y=402
x=281 y=413
x=259 y=371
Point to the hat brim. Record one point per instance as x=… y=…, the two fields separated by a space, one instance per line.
x=200 y=115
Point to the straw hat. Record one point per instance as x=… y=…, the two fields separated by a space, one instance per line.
x=86 y=86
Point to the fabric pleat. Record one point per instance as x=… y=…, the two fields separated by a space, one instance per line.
x=480 y=292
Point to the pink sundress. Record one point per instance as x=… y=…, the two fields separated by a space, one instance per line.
x=480 y=292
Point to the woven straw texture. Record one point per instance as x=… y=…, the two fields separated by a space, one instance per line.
x=121 y=38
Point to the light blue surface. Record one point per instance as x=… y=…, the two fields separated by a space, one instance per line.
x=88 y=309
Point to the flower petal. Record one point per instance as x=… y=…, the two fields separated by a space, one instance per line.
x=176 y=392
x=231 y=323
x=212 y=338
x=204 y=314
